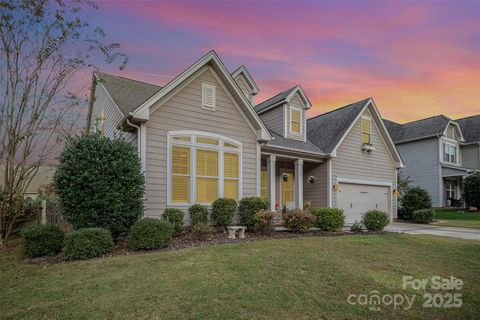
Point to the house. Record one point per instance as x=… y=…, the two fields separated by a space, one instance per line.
x=201 y=137
x=433 y=152
x=39 y=182
x=470 y=148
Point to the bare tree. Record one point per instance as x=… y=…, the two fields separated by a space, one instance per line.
x=43 y=46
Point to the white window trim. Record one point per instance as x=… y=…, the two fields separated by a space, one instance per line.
x=214 y=94
x=453 y=144
x=290 y=121
x=193 y=160
x=361 y=128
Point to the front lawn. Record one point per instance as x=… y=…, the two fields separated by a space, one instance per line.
x=454 y=218
x=303 y=278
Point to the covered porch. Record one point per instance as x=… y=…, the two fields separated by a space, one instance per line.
x=292 y=181
x=452 y=182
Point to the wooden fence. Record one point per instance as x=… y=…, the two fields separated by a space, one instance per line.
x=51 y=214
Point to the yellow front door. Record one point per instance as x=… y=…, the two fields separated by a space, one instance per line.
x=288 y=187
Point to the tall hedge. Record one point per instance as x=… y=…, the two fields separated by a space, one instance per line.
x=248 y=208
x=100 y=183
x=472 y=190
x=416 y=198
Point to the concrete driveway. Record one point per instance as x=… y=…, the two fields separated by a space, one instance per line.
x=453 y=232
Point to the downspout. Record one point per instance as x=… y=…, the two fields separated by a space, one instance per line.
x=138 y=135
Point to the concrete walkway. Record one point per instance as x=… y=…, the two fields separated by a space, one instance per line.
x=453 y=232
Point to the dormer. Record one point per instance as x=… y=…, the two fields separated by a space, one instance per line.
x=450 y=144
x=246 y=83
x=285 y=113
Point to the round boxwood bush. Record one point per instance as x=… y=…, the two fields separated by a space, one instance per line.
x=87 y=243
x=472 y=190
x=299 y=221
x=149 y=233
x=415 y=198
x=175 y=217
x=248 y=208
x=198 y=214
x=100 y=183
x=423 y=216
x=375 y=220
x=223 y=210
x=329 y=219
x=42 y=240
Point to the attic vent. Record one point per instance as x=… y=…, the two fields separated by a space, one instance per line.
x=208 y=96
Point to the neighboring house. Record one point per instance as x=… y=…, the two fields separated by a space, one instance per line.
x=432 y=150
x=470 y=148
x=200 y=137
x=42 y=178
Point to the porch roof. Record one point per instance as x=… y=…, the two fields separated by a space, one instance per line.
x=284 y=143
x=451 y=171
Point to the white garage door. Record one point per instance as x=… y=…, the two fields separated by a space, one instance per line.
x=356 y=199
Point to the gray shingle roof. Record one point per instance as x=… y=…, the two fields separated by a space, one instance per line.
x=326 y=130
x=280 y=141
x=470 y=128
x=128 y=94
x=273 y=100
x=416 y=130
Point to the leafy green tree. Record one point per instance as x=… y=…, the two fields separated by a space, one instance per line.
x=472 y=190
x=100 y=184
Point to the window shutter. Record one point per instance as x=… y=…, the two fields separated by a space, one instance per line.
x=208 y=96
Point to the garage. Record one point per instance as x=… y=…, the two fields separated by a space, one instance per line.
x=355 y=199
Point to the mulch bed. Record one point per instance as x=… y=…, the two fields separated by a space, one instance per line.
x=185 y=240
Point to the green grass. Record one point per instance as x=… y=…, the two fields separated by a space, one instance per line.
x=307 y=278
x=454 y=218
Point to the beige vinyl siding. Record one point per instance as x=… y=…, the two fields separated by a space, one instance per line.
x=297 y=103
x=273 y=119
x=353 y=163
x=112 y=116
x=183 y=111
x=316 y=192
x=240 y=80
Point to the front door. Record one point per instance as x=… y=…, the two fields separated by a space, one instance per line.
x=287 y=189
x=450 y=191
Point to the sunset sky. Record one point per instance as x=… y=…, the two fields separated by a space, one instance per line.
x=416 y=59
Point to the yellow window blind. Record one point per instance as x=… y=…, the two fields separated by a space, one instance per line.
x=230 y=169
x=295 y=121
x=180 y=174
x=264 y=184
x=366 y=130
x=207 y=176
x=207 y=141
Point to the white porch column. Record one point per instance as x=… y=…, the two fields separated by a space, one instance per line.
x=271 y=180
x=299 y=183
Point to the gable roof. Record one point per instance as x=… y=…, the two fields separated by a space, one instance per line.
x=470 y=128
x=326 y=130
x=243 y=70
x=127 y=94
x=281 y=98
x=420 y=129
x=211 y=59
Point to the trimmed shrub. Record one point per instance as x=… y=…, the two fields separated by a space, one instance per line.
x=263 y=221
x=150 y=233
x=423 y=216
x=223 y=210
x=42 y=240
x=471 y=188
x=100 y=183
x=356 y=227
x=298 y=221
x=329 y=219
x=198 y=214
x=201 y=231
x=248 y=208
x=175 y=217
x=87 y=243
x=414 y=199
x=375 y=220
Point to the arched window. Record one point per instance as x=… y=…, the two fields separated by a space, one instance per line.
x=202 y=167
